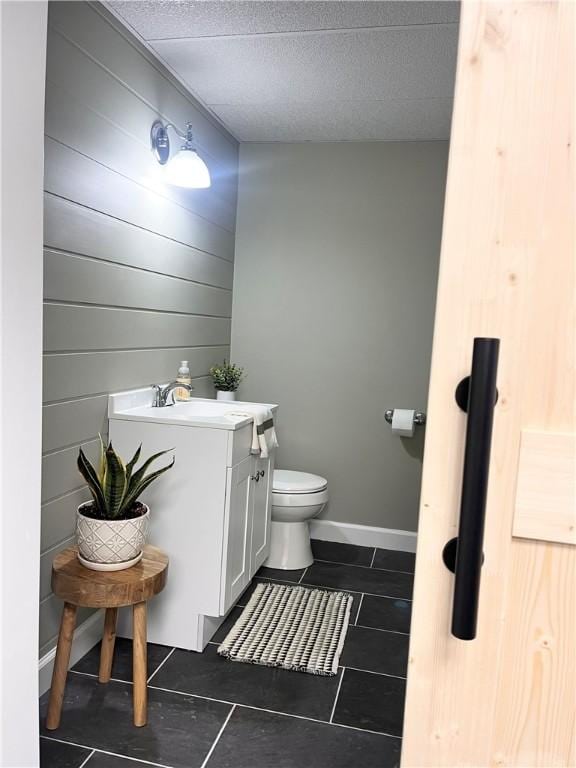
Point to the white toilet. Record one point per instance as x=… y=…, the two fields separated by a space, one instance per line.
x=297 y=497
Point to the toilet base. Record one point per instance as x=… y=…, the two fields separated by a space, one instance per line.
x=290 y=548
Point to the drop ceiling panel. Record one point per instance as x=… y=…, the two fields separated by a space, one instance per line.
x=161 y=19
x=352 y=65
x=310 y=71
x=405 y=120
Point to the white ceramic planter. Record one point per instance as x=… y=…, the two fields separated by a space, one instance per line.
x=222 y=395
x=110 y=545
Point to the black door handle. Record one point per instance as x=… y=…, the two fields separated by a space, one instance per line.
x=477 y=395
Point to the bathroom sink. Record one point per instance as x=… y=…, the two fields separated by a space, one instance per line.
x=191 y=411
x=137 y=406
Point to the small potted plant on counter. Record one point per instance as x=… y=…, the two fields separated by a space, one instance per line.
x=111 y=529
x=226 y=378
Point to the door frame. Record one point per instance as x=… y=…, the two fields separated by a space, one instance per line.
x=23 y=27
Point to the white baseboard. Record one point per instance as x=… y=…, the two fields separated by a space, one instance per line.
x=85 y=637
x=363 y=535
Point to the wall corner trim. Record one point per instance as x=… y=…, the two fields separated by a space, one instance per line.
x=85 y=637
x=363 y=535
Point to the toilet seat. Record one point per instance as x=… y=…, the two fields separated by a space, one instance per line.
x=288 y=481
x=280 y=499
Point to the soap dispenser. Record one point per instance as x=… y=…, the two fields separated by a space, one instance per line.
x=180 y=393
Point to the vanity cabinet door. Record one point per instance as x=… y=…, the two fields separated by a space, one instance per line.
x=262 y=495
x=237 y=534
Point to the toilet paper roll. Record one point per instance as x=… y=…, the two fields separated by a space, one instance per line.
x=403 y=422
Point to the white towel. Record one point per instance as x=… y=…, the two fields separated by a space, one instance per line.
x=263 y=433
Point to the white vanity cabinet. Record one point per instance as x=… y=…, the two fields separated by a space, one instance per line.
x=210 y=512
x=247 y=542
x=262 y=495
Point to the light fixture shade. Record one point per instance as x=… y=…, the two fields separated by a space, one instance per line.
x=187 y=169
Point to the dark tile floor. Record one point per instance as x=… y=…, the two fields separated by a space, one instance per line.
x=206 y=712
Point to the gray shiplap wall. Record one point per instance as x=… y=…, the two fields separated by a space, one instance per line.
x=138 y=275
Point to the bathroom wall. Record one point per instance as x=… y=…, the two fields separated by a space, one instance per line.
x=138 y=275
x=335 y=278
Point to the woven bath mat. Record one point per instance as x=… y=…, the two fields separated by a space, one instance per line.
x=294 y=628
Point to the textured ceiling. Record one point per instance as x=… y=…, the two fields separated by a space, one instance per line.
x=309 y=71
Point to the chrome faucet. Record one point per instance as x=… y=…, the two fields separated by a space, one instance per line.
x=161 y=394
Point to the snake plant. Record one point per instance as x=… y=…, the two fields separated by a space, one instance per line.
x=116 y=486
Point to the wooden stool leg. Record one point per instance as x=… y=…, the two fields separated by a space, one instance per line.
x=139 y=664
x=107 y=649
x=61 y=662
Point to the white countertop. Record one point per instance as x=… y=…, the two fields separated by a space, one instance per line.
x=136 y=405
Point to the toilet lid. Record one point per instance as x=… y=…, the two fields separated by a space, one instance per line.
x=289 y=481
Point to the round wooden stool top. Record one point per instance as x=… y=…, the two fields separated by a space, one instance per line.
x=75 y=584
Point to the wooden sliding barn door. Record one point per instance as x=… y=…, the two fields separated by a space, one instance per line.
x=507 y=697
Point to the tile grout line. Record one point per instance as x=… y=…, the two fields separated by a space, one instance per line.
x=381 y=629
x=363 y=730
x=95 y=676
x=303 y=574
x=331 y=588
x=358 y=611
x=337 y=694
x=236 y=703
x=336 y=589
x=373 y=558
x=352 y=626
x=389 y=570
x=370 y=594
x=105 y=752
x=273 y=711
x=217 y=739
x=371 y=672
x=357 y=565
x=160 y=665
x=83 y=763
x=276 y=579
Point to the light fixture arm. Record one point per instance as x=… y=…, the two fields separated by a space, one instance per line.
x=161 y=143
x=188 y=137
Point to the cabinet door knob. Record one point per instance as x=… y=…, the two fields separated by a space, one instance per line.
x=261 y=473
x=255 y=477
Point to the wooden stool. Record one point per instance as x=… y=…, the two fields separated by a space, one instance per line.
x=80 y=586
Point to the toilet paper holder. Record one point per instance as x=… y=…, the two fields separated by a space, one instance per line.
x=419 y=417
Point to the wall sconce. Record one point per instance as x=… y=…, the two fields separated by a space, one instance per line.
x=186 y=168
